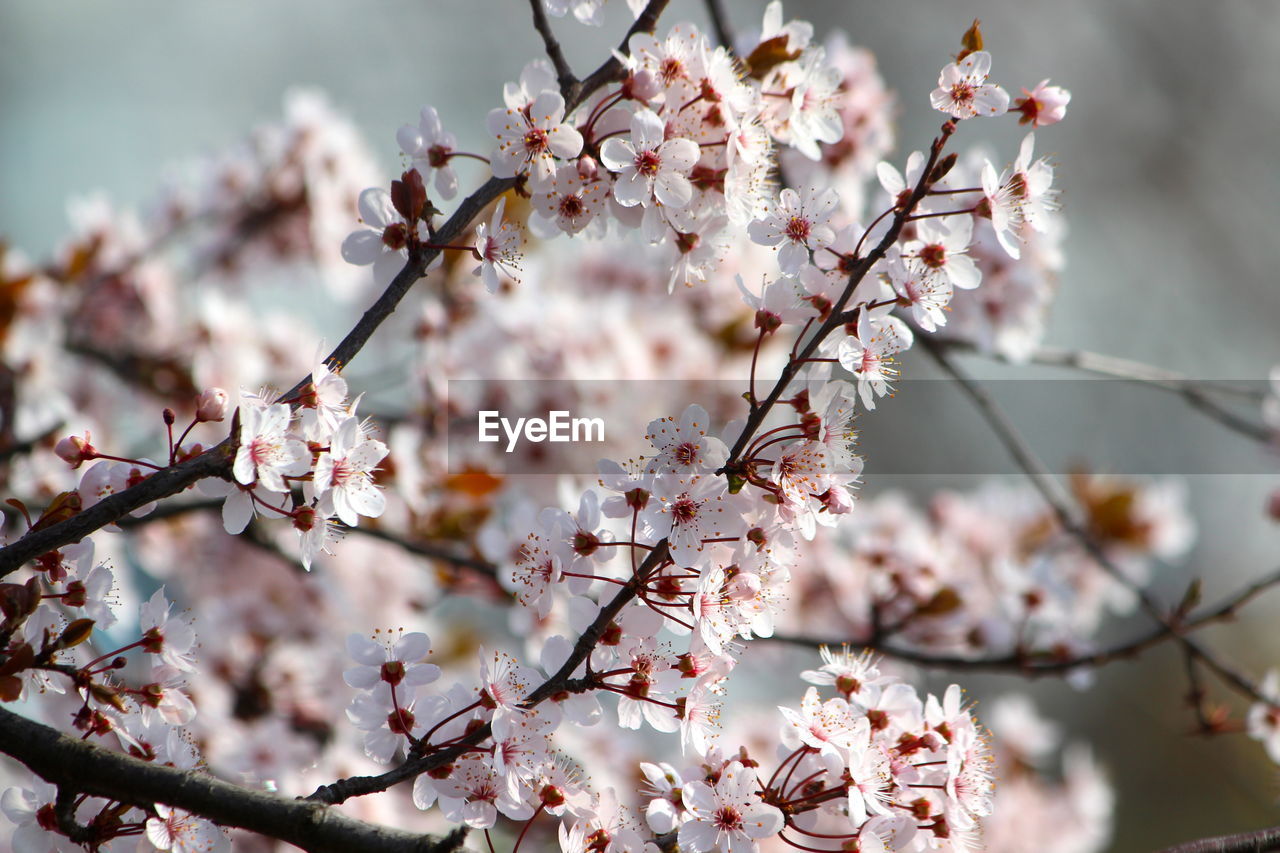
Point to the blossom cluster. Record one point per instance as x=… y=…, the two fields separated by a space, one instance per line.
x=751 y=170
x=991 y=573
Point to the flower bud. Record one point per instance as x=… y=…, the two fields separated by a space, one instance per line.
x=588 y=168
x=837 y=500
x=1273 y=505
x=75 y=450
x=211 y=405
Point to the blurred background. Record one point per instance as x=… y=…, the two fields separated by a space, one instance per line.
x=1167 y=162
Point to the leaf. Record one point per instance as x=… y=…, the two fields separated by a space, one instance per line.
x=944 y=601
x=75 y=633
x=60 y=508
x=768 y=55
x=971 y=40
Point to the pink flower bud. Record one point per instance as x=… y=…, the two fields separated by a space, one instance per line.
x=211 y=405
x=743 y=586
x=1273 y=505
x=837 y=500
x=75 y=450
x=588 y=168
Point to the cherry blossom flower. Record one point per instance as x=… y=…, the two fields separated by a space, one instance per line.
x=824 y=726
x=266 y=453
x=386 y=715
x=1044 y=105
x=699 y=247
x=31 y=809
x=91 y=590
x=400 y=663
x=927 y=294
x=165 y=695
x=384 y=240
x=815 y=105
x=1263 y=719
x=650 y=167
x=687 y=511
x=963 y=91
x=430 y=148
x=504 y=684
x=847 y=672
x=782 y=302
x=530 y=139
x=870 y=355
x=685 y=446
x=183 y=833
x=472 y=794
x=498 y=245
x=1021 y=194
x=942 y=246
x=107 y=477
x=870 y=778
x=344 y=474
x=169 y=637
x=728 y=816
x=568 y=203
x=797 y=225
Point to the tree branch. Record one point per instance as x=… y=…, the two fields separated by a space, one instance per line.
x=1047 y=485
x=1244 y=842
x=564 y=74
x=75 y=765
x=720 y=22
x=1041 y=664
x=216 y=461
x=1196 y=393
x=356 y=786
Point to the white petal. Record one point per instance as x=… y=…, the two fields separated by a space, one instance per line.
x=376 y=209
x=362 y=247
x=631 y=188
x=565 y=142
x=672 y=189
x=617 y=154
x=678 y=154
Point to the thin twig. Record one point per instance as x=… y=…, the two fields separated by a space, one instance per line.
x=344 y=789
x=720 y=22
x=1195 y=392
x=1035 y=664
x=564 y=74
x=1245 y=842
x=1048 y=487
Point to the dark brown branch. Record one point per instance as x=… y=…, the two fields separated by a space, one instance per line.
x=1244 y=842
x=75 y=765
x=163 y=483
x=564 y=74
